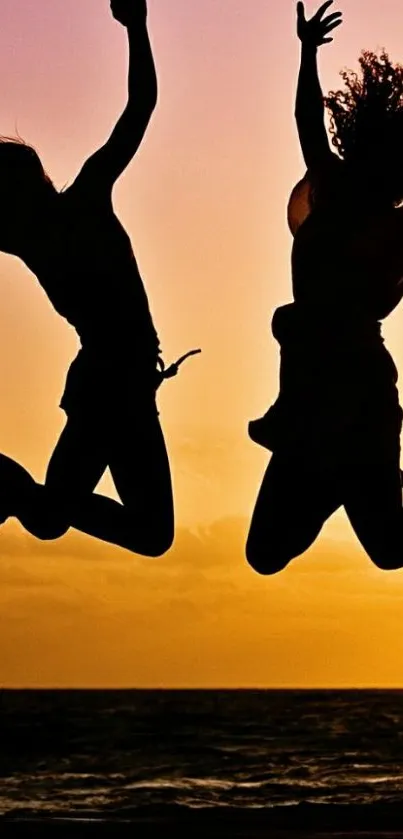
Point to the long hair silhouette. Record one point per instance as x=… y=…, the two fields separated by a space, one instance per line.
x=334 y=429
x=77 y=248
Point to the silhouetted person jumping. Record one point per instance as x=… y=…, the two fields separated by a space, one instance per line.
x=75 y=245
x=334 y=429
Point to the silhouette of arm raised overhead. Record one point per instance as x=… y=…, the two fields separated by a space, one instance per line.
x=309 y=108
x=105 y=166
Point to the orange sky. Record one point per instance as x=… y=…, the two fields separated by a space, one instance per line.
x=205 y=205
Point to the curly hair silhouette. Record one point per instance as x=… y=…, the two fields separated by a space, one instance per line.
x=367 y=122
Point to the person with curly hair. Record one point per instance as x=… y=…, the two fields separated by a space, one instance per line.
x=334 y=430
x=77 y=248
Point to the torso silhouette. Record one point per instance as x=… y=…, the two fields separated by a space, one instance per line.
x=336 y=374
x=84 y=261
x=347 y=258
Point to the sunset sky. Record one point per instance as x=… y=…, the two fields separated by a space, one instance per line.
x=204 y=202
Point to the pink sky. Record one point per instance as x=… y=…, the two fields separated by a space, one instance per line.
x=205 y=205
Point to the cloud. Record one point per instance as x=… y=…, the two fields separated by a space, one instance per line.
x=17 y=577
x=199 y=615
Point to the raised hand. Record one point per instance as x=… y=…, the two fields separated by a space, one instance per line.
x=314 y=32
x=129 y=12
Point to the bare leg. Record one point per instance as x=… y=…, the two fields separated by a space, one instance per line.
x=135 y=450
x=373 y=503
x=137 y=457
x=294 y=501
x=77 y=464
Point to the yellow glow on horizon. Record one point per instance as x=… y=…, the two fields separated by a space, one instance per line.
x=205 y=205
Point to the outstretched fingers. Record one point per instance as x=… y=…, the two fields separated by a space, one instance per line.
x=330 y=26
x=301 y=11
x=328 y=29
x=322 y=9
x=331 y=18
x=317 y=28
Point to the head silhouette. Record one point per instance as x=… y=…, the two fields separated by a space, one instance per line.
x=25 y=190
x=367 y=127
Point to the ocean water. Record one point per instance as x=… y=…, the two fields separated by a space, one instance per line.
x=111 y=752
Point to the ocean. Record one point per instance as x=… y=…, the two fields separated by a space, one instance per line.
x=100 y=753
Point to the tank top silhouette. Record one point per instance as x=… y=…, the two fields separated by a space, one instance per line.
x=85 y=263
x=337 y=380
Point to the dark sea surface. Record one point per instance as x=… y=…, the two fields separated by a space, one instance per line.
x=108 y=752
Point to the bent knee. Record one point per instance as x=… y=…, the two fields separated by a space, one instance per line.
x=274 y=554
x=159 y=547
x=266 y=562
x=269 y=552
x=50 y=532
x=385 y=550
x=159 y=536
x=153 y=543
x=387 y=561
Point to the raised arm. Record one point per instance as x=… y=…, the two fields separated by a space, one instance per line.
x=309 y=107
x=104 y=167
